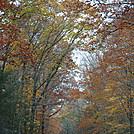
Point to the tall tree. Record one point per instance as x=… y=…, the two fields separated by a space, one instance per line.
x=40 y=53
x=109 y=85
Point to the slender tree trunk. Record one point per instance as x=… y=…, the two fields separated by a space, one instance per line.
x=43 y=123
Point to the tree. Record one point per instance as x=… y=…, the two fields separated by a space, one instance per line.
x=109 y=85
x=9 y=30
x=9 y=85
x=36 y=43
x=40 y=53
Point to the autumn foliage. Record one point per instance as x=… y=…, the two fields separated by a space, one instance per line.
x=110 y=90
x=38 y=72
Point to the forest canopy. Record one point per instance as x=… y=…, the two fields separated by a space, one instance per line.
x=42 y=88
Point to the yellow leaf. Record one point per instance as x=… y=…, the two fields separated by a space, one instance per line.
x=113 y=98
x=107 y=90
